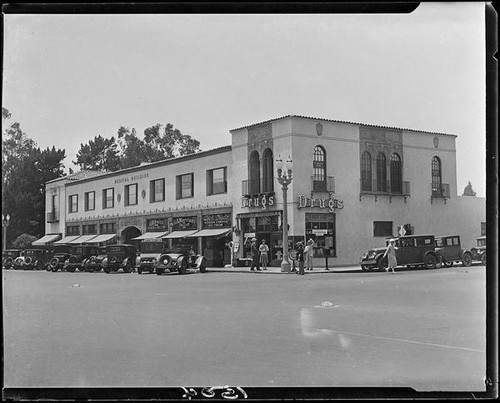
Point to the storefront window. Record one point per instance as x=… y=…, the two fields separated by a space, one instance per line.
x=320 y=227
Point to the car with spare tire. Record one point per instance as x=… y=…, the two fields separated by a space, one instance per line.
x=120 y=256
x=181 y=259
x=62 y=253
x=450 y=251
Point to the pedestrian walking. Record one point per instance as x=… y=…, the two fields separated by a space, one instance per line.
x=309 y=254
x=255 y=255
x=390 y=252
x=300 y=257
x=263 y=249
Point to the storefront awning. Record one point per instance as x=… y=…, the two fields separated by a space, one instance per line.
x=151 y=235
x=68 y=239
x=83 y=239
x=179 y=234
x=102 y=238
x=46 y=239
x=210 y=232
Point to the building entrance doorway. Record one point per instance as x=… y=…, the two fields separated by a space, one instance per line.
x=129 y=233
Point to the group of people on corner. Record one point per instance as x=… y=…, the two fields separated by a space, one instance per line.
x=304 y=255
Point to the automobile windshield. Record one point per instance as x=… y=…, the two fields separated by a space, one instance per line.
x=78 y=251
x=439 y=243
x=481 y=242
x=152 y=247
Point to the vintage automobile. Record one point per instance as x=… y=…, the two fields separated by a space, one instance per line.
x=450 y=250
x=151 y=251
x=61 y=254
x=9 y=256
x=37 y=258
x=120 y=256
x=181 y=259
x=478 y=252
x=79 y=256
x=95 y=262
x=411 y=251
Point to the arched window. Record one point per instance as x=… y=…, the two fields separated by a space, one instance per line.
x=381 y=173
x=366 y=172
x=319 y=169
x=396 y=174
x=437 y=188
x=254 y=182
x=267 y=168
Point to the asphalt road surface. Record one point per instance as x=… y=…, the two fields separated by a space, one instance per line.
x=423 y=328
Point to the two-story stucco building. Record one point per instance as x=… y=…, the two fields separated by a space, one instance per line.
x=353 y=186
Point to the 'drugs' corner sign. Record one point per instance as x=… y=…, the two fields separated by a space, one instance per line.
x=330 y=203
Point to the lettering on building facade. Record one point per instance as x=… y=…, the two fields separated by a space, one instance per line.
x=213 y=221
x=184 y=223
x=131 y=178
x=157 y=225
x=262 y=201
x=330 y=203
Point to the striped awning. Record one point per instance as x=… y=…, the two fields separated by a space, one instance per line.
x=46 y=239
x=83 y=239
x=179 y=234
x=67 y=239
x=102 y=238
x=210 y=232
x=150 y=235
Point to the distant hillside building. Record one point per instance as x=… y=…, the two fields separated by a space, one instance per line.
x=354 y=185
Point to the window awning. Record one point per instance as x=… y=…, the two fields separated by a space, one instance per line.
x=83 y=239
x=68 y=239
x=179 y=234
x=150 y=235
x=102 y=238
x=46 y=239
x=210 y=232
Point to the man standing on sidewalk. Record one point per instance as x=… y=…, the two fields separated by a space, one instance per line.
x=255 y=255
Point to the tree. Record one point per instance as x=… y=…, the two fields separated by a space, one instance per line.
x=25 y=170
x=129 y=150
x=23 y=241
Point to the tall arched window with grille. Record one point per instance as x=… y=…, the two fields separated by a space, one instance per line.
x=319 y=169
x=366 y=172
x=381 y=173
x=254 y=174
x=437 y=188
x=267 y=168
x=396 y=174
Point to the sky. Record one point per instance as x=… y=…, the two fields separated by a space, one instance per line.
x=69 y=78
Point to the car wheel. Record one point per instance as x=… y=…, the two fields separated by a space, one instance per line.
x=128 y=268
x=90 y=268
x=467 y=260
x=483 y=259
x=53 y=264
x=382 y=264
x=203 y=267
x=364 y=268
x=106 y=270
x=159 y=271
x=39 y=265
x=183 y=267
x=448 y=263
x=430 y=262
x=139 y=270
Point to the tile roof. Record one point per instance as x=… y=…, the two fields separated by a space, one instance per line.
x=338 y=121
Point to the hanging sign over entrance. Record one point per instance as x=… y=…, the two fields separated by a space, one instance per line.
x=330 y=203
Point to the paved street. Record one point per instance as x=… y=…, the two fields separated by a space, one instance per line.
x=420 y=328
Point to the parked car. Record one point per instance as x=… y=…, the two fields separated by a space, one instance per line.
x=18 y=263
x=478 y=252
x=120 y=256
x=61 y=254
x=79 y=256
x=94 y=263
x=9 y=256
x=450 y=250
x=151 y=251
x=37 y=258
x=181 y=259
x=411 y=251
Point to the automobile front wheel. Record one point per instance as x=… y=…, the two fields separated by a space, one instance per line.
x=159 y=271
x=182 y=268
x=430 y=262
x=467 y=260
x=203 y=267
x=382 y=264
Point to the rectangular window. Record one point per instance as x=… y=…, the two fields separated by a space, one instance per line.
x=90 y=229
x=72 y=230
x=217 y=181
x=108 y=198
x=185 y=186
x=89 y=201
x=107 y=228
x=73 y=203
x=320 y=227
x=483 y=229
x=131 y=194
x=157 y=190
x=382 y=228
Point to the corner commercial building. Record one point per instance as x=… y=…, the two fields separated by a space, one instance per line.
x=353 y=186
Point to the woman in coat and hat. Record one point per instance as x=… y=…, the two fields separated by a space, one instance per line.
x=390 y=252
x=255 y=255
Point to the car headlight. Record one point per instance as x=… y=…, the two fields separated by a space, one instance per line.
x=371 y=254
x=365 y=255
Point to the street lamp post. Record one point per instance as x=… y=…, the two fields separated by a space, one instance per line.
x=5 y=224
x=285 y=178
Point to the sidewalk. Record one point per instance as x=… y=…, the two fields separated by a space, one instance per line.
x=277 y=270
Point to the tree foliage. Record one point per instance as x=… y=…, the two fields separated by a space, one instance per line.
x=23 y=241
x=127 y=149
x=25 y=170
